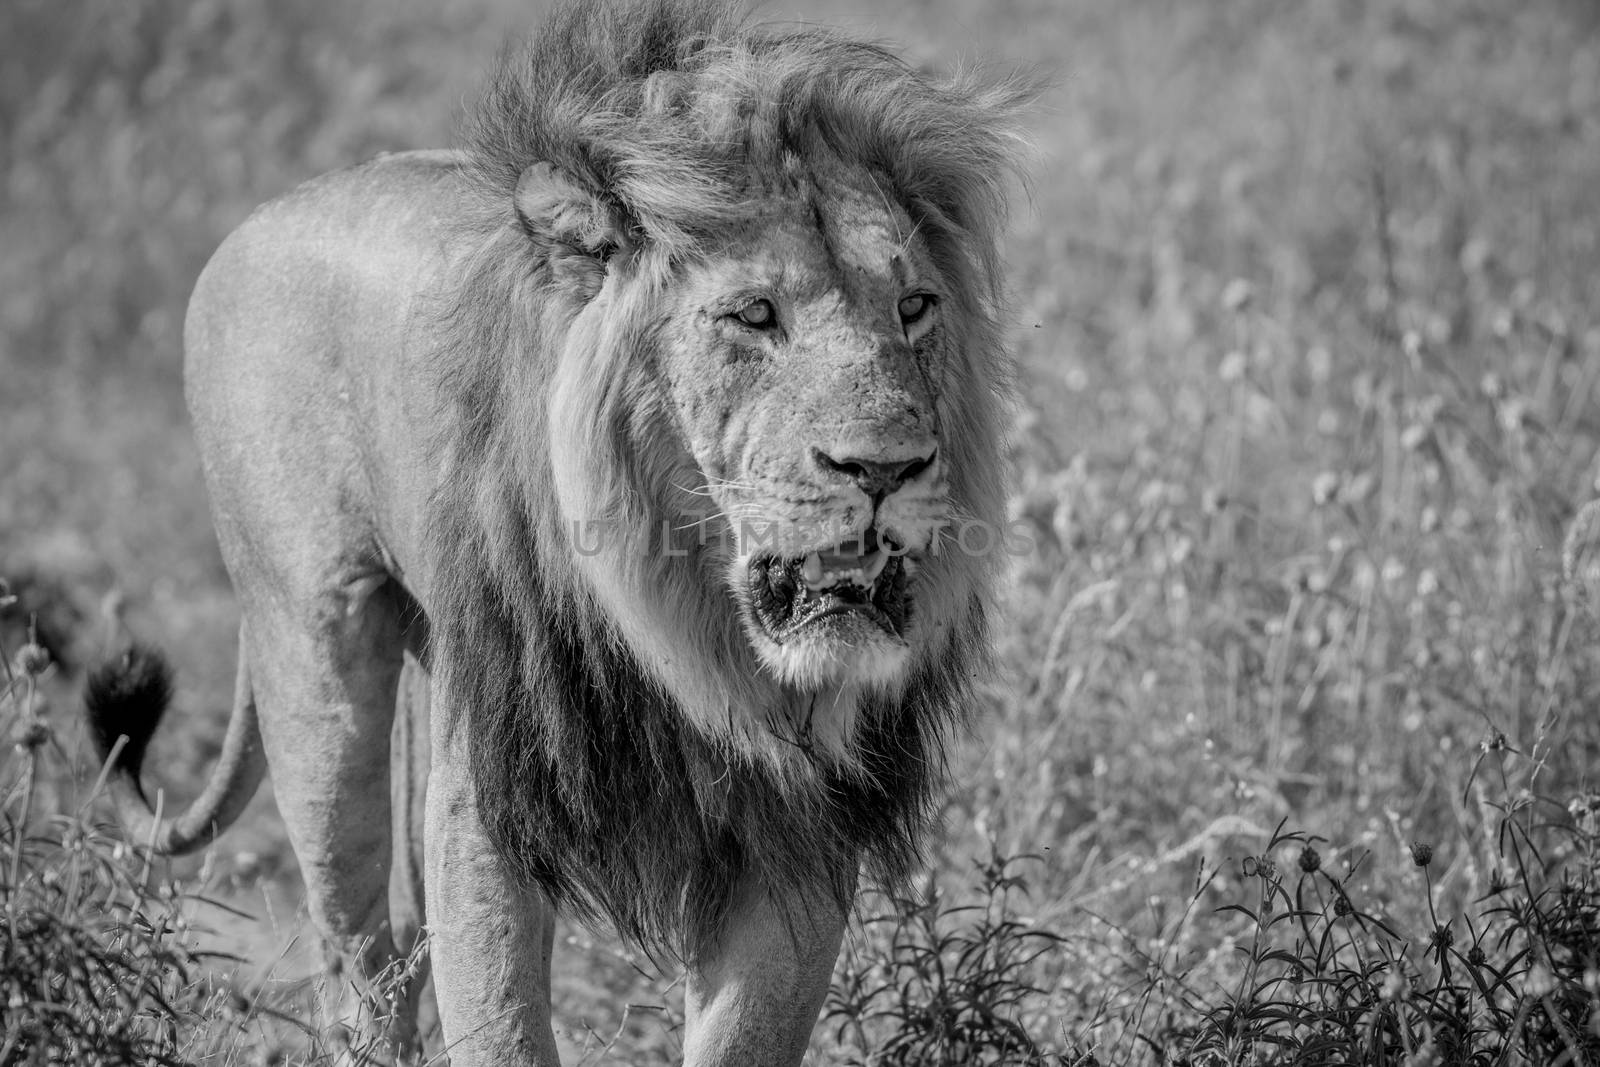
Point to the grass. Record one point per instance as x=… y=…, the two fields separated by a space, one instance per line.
x=94 y=963
x=1305 y=309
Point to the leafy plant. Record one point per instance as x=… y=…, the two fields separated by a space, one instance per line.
x=942 y=983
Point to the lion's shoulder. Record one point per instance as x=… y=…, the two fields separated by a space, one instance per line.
x=364 y=232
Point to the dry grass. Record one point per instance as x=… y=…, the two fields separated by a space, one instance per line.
x=1305 y=301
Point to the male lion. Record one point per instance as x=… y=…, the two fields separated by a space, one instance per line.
x=643 y=424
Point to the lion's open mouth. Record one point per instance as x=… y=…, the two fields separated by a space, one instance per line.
x=860 y=579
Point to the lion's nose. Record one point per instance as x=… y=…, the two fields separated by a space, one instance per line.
x=876 y=477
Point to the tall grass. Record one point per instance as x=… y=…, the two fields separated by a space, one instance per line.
x=96 y=965
x=105 y=959
x=1305 y=304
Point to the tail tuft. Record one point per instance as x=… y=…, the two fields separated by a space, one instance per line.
x=127 y=696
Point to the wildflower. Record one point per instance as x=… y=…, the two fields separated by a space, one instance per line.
x=1233 y=365
x=1427 y=583
x=1475 y=255
x=1513 y=414
x=32 y=735
x=1260 y=867
x=1237 y=294
x=1476 y=956
x=1342 y=905
x=32 y=659
x=1585 y=812
x=1421 y=854
x=1442 y=938
x=1310 y=860
x=1324 y=487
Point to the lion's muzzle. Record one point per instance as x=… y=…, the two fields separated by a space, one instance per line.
x=857 y=582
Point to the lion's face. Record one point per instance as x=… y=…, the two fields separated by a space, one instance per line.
x=803 y=364
x=769 y=443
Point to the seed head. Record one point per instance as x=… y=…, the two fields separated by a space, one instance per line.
x=1342 y=905
x=32 y=735
x=1310 y=860
x=1421 y=854
x=33 y=659
x=1476 y=956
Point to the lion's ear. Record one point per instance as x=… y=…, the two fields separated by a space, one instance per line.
x=551 y=208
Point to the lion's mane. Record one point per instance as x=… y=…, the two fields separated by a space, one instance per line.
x=593 y=782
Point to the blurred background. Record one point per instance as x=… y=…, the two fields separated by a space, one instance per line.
x=1305 y=299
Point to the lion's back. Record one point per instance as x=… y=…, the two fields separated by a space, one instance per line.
x=305 y=336
x=347 y=243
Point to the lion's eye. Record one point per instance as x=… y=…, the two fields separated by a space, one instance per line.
x=758 y=314
x=915 y=307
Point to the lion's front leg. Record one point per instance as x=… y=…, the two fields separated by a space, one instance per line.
x=491 y=938
x=753 y=996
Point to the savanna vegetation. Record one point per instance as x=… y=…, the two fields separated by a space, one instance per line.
x=1289 y=756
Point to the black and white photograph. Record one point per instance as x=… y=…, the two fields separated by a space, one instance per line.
x=762 y=533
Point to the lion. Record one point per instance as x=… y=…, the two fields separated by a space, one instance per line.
x=637 y=428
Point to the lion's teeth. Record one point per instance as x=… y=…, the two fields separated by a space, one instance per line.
x=875 y=564
x=819 y=573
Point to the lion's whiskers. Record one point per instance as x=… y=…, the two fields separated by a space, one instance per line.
x=711 y=485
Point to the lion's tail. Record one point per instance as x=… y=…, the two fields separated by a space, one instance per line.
x=125 y=699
